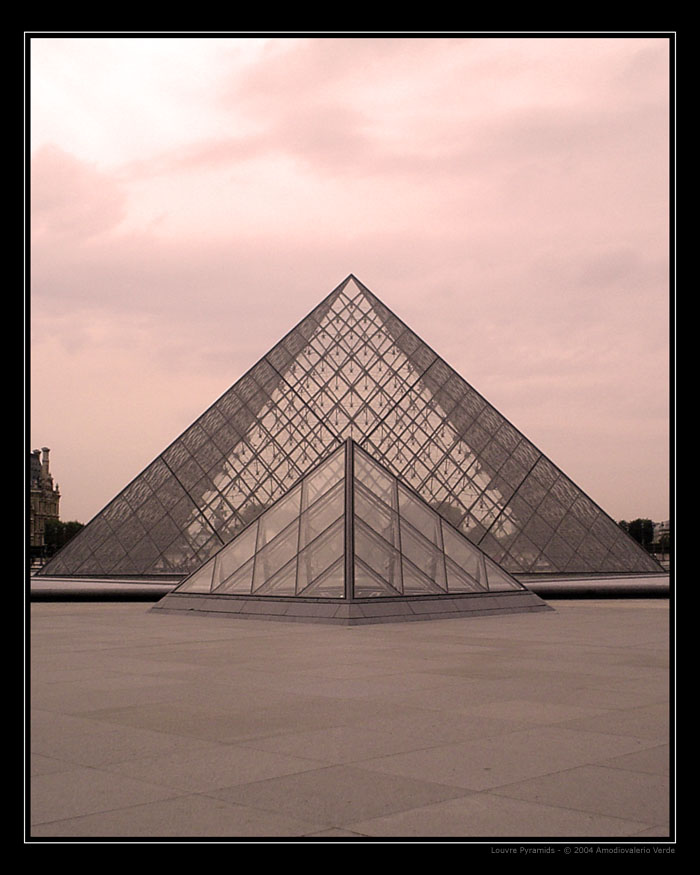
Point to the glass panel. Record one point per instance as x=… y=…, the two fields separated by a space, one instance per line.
x=377 y=516
x=271 y=558
x=145 y=551
x=558 y=552
x=346 y=367
x=369 y=585
x=498 y=579
x=377 y=554
x=416 y=583
x=200 y=580
x=464 y=554
x=320 y=554
x=524 y=552
x=325 y=476
x=569 y=529
x=420 y=517
x=325 y=511
x=532 y=490
x=240 y=582
x=551 y=511
x=278 y=517
x=330 y=584
x=374 y=478
x=235 y=554
x=459 y=581
x=424 y=555
x=282 y=583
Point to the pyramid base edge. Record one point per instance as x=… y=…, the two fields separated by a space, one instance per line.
x=398 y=610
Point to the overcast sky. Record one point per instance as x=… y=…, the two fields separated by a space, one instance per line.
x=193 y=199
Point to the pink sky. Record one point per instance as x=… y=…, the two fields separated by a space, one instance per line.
x=193 y=199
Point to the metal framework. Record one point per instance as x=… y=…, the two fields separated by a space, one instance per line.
x=350 y=370
x=349 y=530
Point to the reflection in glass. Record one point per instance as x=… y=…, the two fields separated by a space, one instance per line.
x=464 y=554
x=376 y=515
x=320 y=554
x=201 y=580
x=325 y=476
x=322 y=513
x=459 y=581
x=423 y=555
x=276 y=554
x=370 y=585
x=278 y=517
x=281 y=583
x=378 y=555
x=497 y=579
x=239 y=582
x=239 y=551
x=416 y=583
x=330 y=584
x=420 y=517
x=374 y=478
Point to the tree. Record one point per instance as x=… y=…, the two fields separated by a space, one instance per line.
x=58 y=533
x=642 y=531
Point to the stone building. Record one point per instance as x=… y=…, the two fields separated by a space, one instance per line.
x=44 y=498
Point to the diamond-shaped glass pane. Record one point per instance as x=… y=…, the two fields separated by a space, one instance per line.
x=351 y=368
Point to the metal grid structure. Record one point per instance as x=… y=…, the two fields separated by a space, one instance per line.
x=348 y=530
x=351 y=369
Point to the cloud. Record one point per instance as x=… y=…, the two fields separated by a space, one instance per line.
x=71 y=198
x=507 y=198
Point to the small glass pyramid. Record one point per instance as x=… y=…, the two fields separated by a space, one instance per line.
x=349 y=530
x=351 y=369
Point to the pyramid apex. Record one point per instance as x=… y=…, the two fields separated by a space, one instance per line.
x=351 y=369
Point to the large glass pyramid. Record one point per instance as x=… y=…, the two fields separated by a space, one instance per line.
x=350 y=369
x=350 y=532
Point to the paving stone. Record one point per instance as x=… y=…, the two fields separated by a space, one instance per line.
x=199 y=771
x=179 y=818
x=612 y=792
x=485 y=763
x=181 y=726
x=485 y=815
x=338 y=795
x=81 y=791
